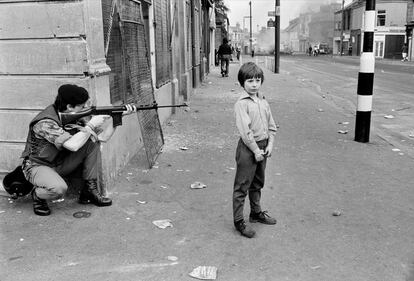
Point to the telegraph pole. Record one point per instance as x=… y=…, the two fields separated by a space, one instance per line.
x=341 y=48
x=251 y=39
x=366 y=76
x=277 y=35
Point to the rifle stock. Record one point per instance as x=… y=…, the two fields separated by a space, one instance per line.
x=115 y=111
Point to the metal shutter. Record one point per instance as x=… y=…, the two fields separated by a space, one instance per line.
x=162 y=42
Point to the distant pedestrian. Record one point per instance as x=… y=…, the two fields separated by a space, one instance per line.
x=404 y=51
x=310 y=50
x=224 y=53
x=257 y=131
x=238 y=52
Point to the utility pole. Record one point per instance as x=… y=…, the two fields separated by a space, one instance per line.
x=277 y=35
x=366 y=76
x=341 y=47
x=251 y=39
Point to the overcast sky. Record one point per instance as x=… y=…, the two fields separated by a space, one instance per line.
x=289 y=9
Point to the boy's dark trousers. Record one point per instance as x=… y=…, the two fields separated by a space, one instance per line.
x=250 y=177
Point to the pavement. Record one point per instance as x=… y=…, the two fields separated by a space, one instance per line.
x=344 y=208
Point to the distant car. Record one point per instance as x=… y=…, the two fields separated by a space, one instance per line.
x=323 y=48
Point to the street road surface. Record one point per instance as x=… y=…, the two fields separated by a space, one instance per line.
x=336 y=78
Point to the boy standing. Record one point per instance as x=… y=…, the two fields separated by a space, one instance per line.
x=257 y=130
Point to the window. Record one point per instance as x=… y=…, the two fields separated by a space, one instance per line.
x=381 y=18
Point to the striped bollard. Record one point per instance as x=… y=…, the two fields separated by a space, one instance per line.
x=366 y=76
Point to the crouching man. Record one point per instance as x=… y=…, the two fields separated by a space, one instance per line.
x=54 y=151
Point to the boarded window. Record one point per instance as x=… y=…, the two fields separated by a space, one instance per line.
x=162 y=42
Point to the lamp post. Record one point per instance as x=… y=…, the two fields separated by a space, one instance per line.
x=250 y=39
x=341 y=48
x=277 y=35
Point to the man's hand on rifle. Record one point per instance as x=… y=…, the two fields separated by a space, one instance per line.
x=131 y=108
x=97 y=121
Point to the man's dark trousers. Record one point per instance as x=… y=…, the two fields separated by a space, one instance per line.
x=250 y=177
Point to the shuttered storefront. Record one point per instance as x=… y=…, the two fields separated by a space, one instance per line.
x=162 y=42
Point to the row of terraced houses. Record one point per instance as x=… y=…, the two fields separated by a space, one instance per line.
x=341 y=28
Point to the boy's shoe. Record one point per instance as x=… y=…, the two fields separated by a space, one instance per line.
x=262 y=217
x=244 y=229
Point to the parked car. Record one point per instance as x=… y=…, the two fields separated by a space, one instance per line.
x=323 y=48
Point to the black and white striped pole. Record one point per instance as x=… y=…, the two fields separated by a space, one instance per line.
x=366 y=76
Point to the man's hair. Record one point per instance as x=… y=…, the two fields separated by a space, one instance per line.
x=70 y=94
x=225 y=40
x=249 y=70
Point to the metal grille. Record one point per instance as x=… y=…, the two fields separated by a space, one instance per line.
x=138 y=68
x=114 y=56
x=196 y=36
x=189 y=38
x=162 y=42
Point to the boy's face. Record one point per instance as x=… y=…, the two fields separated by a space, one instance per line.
x=252 y=85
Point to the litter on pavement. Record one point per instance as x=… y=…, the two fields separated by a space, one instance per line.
x=198 y=185
x=343 y=132
x=183 y=148
x=344 y=123
x=336 y=213
x=163 y=223
x=172 y=258
x=389 y=116
x=204 y=272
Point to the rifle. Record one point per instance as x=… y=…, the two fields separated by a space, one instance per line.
x=115 y=111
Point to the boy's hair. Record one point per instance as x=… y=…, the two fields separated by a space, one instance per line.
x=249 y=70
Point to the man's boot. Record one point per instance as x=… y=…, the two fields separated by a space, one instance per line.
x=40 y=206
x=90 y=195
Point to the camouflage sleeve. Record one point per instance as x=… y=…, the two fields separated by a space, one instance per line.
x=50 y=130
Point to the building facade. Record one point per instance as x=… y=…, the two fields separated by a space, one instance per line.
x=121 y=51
x=390 y=28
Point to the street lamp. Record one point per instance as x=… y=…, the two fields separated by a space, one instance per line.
x=251 y=49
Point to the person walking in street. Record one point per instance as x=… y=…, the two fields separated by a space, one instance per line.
x=224 y=52
x=404 y=52
x=54 y=151
x=257 y=131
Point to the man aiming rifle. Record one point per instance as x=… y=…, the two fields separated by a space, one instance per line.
x=54 y=148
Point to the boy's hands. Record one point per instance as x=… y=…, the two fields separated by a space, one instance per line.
x=268 y=151
x=259 y=156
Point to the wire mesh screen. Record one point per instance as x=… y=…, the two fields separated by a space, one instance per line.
x=162 y=42
x=114 y=59
x=139 y=72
